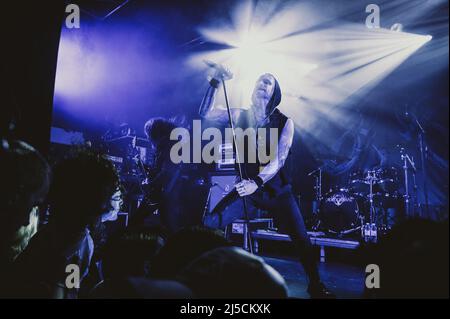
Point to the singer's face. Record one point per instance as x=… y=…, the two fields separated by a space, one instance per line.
x=264 y=87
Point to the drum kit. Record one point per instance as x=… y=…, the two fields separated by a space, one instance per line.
x=365 y=206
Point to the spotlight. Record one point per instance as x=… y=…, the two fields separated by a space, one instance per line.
x=327 y=65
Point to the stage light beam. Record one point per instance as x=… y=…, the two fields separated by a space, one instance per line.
x=322 y=67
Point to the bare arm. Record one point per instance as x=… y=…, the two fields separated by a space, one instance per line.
x=209 y=111
x=208 y=101
x=284 y=145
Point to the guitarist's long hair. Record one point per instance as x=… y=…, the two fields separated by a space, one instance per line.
x=157 y=130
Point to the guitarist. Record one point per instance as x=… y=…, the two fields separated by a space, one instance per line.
x=168 y=187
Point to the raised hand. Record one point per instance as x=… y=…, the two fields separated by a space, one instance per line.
x=221 y=71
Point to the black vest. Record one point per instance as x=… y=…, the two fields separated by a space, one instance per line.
x=276 y=121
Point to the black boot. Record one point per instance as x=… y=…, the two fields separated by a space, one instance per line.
x=318 y=290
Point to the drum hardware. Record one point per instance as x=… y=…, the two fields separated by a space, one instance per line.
x=318 y=195
x=373 y=195
x=408 y=162
x=423 y=148
x=369 y=232
x=371 y=179
x=348 y=231
x=388 y=179
x=318 y=182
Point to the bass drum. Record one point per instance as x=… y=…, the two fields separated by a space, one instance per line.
x=339 y=213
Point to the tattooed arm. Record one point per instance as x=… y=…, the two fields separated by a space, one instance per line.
x=248 y=187
x=284 y=145
x=208 y=110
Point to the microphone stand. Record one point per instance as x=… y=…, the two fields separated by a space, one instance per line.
x=246 y=232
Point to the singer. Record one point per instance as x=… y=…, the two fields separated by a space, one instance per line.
x=267 y=186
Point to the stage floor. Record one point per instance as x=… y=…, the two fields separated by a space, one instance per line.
x=346 y=281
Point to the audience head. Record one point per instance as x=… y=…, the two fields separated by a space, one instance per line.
x=25 y=180
x=82 y=187
x=183 y=247
x=231 y=272
x=130 y=254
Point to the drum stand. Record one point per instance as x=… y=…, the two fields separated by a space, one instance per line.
x=371 y=177
x=318 y=186
x=407 y=159
x=318 y=193
x=423 y=159
x=370 y=230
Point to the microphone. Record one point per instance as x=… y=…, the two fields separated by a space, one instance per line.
x=221 y=71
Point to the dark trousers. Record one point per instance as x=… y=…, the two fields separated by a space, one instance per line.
x=286 y=213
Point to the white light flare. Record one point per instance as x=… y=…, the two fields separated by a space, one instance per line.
x=322 y=63
x=255 y=49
